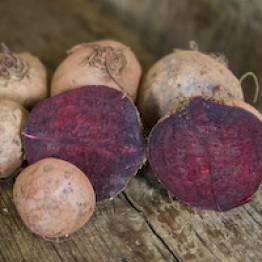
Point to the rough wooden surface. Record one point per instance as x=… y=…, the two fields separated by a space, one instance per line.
x=143 y=223
x=115 y=233
x=195 y=235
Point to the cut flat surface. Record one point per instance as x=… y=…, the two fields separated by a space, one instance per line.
x=208 y=154
x=96 y=128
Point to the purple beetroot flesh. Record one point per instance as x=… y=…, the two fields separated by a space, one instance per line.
x=93 y=127
x=208 y=155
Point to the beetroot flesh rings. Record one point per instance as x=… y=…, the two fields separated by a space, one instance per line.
x=208 y=154
x=96 y=128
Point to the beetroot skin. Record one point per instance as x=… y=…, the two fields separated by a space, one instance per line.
x=208 y=154
x=96 y=128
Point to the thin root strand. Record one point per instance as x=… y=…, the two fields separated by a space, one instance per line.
x=257 y=86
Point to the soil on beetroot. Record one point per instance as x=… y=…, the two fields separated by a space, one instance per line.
x=208 y=154
x=96 y=128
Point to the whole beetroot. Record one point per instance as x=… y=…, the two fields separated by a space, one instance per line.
x=180 y=76
x=12 y=118
x=54 y=198
x=22 y=77
x=105 y=62
x=96 y=128
x=208 y=154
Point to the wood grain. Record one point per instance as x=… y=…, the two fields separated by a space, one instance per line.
x=115 y=233
x=195 y=235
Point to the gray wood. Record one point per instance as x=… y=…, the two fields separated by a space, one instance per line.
x=115 y=233
x=197 y=235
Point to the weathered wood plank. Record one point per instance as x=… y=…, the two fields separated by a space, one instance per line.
x=115 y=233
x=195 y=235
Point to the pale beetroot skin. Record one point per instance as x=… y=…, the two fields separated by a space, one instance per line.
x=23 y=77
x=105 y=62
x=180 y=76
x=54 y=198
x=96 y=128
x=209 y=154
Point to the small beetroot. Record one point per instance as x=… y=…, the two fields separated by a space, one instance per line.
x=22 y=77
x=54 y=198
x=208 y=154
x=96 y=128
x=105 y=62
x=12 y=118
x=180 y=76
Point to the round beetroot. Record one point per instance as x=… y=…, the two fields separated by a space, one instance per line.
x=54 y=198
x=96 y=128
x=180 y=76
x=12 y=118
x=23 y=77
x=105 y=62
x=209 y=154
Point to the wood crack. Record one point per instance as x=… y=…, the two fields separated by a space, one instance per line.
x=150 y=226
x=204 y=243
x=56 y=251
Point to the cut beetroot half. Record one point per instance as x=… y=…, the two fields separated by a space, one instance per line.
x=208 y=154
x=96 y=128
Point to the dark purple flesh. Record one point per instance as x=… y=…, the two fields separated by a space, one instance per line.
x=208 y=155
x=93 y=127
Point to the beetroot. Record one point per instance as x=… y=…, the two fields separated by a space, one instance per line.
x=209 y=154
x=96 y=128
x=179 y=76
x=105 y=62
x=54 y=198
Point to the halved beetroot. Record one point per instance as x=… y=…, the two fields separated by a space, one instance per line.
x=96 y=128
x=208 y=154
